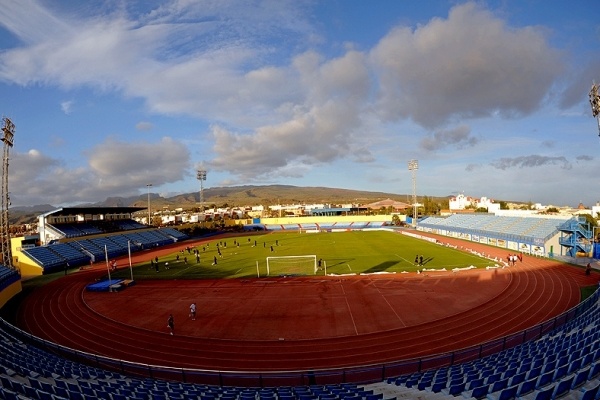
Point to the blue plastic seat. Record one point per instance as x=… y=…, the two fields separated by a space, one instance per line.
x=480 y=392
x=545 y=394
x=517 y=379
x=8 y=394
x=545 y=379
x=499 y=385
x=590 y=393
x=594 y=371
x=438 y=386
x=493 y=378
x=456 y=389
x=563 y=387
x=42 y=395
x=527 y=387
x=475 y=383
x=574 y=365
x=560 y=372
x=508 y=393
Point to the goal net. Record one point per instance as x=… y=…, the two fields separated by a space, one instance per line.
x=292 y=265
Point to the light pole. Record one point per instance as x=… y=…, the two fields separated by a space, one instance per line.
x=149 y=185
x=413 y=165
x=201 y=176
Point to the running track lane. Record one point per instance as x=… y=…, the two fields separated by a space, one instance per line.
x=538 y=289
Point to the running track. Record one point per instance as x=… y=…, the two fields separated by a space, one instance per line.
x=477 y=306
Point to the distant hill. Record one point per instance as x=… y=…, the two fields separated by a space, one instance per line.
x=232 y=196
x=254 y=195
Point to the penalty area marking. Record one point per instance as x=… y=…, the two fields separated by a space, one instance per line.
x=402 y=258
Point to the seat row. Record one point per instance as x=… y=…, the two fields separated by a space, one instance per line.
x=562 y=361
x=27 y=372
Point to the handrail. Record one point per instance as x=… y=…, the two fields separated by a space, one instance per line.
x=358 y=374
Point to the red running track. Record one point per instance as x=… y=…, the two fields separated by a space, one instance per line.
x=303 y=323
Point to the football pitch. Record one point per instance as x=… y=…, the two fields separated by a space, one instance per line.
x=342 y=253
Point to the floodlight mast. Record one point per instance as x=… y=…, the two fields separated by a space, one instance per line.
x=149 y=185
x=201 y=176
x=8 y=133
x=595 y=103
x=413 y=166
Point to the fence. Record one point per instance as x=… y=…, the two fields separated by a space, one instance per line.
x=359 y=374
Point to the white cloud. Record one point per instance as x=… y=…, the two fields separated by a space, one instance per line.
x=122 y=164
x=278 y=107
x=114 y=167
x=323 y=127
x=66 y=106
x=458 y=137
x=469 y=65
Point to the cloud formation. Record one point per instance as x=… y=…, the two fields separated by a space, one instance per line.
x=530 y=161
x=319 y=130
x=113 y=167
x=458 y=137
x=265 y=95
x=469 y=65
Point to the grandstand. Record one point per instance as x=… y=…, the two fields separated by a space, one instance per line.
x=79 y=236
x=529 y=235
x=562 y=362
x=326 y=223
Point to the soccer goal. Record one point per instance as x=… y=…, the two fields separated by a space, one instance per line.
x=292 y=265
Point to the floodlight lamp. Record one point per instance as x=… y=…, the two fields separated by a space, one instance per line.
x=595 y=100
x=413 y=165
x=8 y=132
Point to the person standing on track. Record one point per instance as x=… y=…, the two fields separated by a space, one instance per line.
x=171 y=324
x=193 y=311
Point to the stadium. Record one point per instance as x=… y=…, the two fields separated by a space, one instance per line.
x=323 y=307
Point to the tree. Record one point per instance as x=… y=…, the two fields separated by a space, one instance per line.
x=590 y=220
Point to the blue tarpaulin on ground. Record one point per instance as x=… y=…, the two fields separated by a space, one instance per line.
x=105 y=286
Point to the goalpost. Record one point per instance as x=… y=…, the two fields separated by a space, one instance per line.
x=292 y=265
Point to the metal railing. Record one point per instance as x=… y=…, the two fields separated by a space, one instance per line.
x=358 y=374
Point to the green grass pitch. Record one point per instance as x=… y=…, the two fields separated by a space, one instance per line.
x=350 y=252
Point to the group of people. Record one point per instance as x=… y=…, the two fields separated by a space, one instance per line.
x=419 y=260
x=512 y=259
x=154 y=262
x=171 y=319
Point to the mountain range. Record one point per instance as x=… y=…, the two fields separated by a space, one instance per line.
x=224 y=196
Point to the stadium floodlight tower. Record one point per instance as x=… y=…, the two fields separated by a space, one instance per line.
x=149 y=185
x=413 y=166
x=201 y=176
x=595 y=103
x=8 y=133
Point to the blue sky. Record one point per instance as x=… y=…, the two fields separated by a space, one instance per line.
x=491 y=97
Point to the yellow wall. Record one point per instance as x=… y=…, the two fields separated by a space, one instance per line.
x=9 y=292
x=319 y=219
x=24 y=264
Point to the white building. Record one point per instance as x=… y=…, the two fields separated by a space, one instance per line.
x=462 y=202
